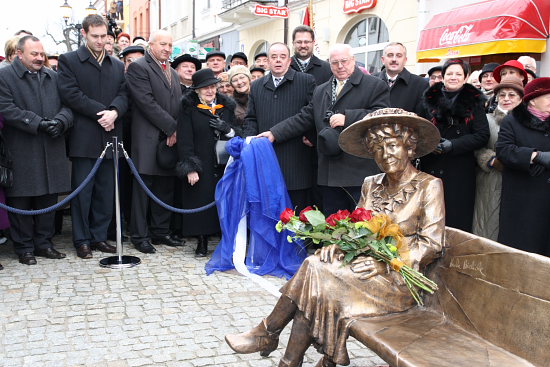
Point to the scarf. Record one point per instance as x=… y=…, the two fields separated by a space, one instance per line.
x=98 y=56
x=300 y=64
x=543 y=116
x=205 y=106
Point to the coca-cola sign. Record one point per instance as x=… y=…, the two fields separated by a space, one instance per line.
x=355 y=6
x=460 y=36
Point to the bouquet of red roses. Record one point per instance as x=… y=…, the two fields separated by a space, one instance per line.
x=358 y=233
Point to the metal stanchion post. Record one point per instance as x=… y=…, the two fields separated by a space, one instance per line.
x=119 y=261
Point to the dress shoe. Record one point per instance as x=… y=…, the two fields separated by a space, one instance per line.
x=1 y=267
x=50 y=253
x=166 y=240
x=145 y=247
x=84 y=251
x=27 y=258
x=202 y=246
x=178 y=237
x=259 y=339
x=103 y=247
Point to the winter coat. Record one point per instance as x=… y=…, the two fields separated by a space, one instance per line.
x=88 y=88
x=461 y=120
x=196 y=152
x=40 y=163
x=407 y=91
x=525 y=200
x=316 y=67
x=268 y=106
x=488 y=183
x=156 y=104
x=360 y=95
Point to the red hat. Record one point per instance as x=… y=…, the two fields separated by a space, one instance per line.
x=535 y=88
x=123 y=34
x=511 y=64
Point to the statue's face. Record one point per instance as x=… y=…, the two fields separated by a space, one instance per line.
x=391 y=155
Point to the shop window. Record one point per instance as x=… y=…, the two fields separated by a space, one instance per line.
x=368 y=39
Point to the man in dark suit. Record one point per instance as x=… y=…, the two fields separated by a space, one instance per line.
x=273 y=98
x=92 y=84
x=303 y=40
x=346 y=98
x=156 y=93
x=35 y=121
x=406 y=89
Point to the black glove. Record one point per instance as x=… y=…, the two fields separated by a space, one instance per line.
x=44 y=124
x=55 y=129
x=444 y=146
x=220 y=125
x=543 y=158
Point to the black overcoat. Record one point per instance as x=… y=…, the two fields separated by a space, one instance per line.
x=87 y=88
x=525 y=198
x=156 y=104
x=268 y=106
x=360 y=95
x=196 y=149
x=40 y=163
x=464 y=123
x=317 y=68
x=407 y=91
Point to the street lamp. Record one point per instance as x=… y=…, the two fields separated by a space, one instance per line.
x=67 y=12
x=90 y=9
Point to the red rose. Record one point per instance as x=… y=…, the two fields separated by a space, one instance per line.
x=303 y=212
x=331 y=220
x=336 y=217
x=361 y=214
x=286 y=215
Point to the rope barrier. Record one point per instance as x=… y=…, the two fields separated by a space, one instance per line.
x=68 y=198
x=153 y=197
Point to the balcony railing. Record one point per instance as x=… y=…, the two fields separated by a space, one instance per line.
x=230 y=4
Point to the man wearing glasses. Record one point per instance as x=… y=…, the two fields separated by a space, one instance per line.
x=346 y=98
x=303 y=40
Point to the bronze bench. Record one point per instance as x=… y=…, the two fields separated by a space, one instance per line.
x=492 y=309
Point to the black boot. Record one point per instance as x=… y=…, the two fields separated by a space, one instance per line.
x=202 y=246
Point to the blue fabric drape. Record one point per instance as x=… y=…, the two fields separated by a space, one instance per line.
x=253 y=187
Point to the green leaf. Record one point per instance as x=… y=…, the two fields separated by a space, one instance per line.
x=315 y=217
x=338 y=232
x=321 y=236
x=279 y=226
x=349 y=256
x=289 y=239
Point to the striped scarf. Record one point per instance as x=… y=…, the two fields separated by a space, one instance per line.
x=167 y=72
x=98 y=56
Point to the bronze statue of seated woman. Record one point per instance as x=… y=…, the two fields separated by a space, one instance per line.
x=324 y=297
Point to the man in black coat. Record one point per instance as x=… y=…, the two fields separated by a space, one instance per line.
x=35 y=121
x=303 y=40
x=273 y=98
x=346 y=98
x=92 y=85
x=156 y=94
x=406 y=89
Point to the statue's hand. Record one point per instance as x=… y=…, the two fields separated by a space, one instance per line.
x=369 y=266
x=329 y=253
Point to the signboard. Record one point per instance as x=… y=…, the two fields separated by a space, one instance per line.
x=355 y=6
x=271 y=11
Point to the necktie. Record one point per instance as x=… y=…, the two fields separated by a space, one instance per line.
x=277 y=81
x=339 y=86
x=164 y=66
x=391 y=82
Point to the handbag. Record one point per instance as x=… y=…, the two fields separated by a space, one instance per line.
x=6 y=165
x=167 y=157
x=221 y=153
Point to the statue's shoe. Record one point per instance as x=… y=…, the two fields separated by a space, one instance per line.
x=258 y=339
x=325 y=362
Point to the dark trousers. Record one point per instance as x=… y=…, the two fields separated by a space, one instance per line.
x=92 y=209
x=159 y=218
x=340 y=198
x=300 y=199
x=30 y=232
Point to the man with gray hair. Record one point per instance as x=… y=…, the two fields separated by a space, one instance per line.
x=406 y=89
x=346 y=98
x=156 y=93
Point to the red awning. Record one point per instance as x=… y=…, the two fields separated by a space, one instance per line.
x=484 y=28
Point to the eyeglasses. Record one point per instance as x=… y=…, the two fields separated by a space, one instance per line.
x=344 y=62
x=303 y=42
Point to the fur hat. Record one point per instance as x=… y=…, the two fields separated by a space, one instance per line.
x=536 y=88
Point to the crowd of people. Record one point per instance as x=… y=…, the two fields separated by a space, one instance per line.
x=59 y=112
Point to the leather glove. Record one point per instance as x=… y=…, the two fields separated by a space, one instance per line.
x=543 y=158
x=444 y=146
x=44 y=124
x=220 y=125
x=55 y=129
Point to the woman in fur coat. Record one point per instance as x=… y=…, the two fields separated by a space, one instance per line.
x=456 y=108
x=489 y=172
x=205 y=117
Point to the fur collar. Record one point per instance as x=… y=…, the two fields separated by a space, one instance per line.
x=191 y=99
x=522 y=115
x=443 y=109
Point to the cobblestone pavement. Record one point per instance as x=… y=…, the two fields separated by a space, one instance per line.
x=164 y=312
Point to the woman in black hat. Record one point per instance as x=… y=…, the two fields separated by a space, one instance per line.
x=205 y=118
